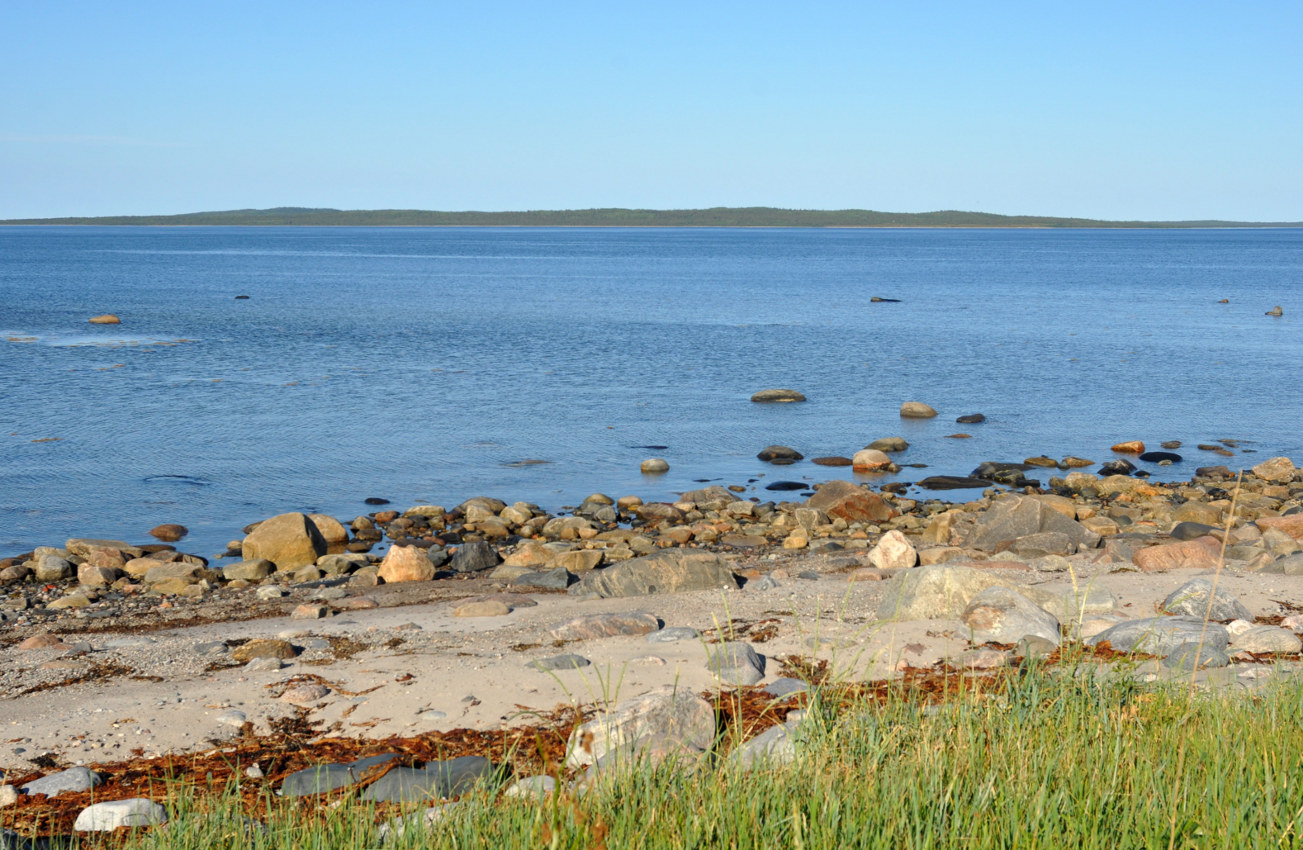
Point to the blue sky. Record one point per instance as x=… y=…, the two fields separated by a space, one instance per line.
x=1137 y=110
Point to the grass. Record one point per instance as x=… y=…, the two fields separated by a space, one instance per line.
x=1052 y=757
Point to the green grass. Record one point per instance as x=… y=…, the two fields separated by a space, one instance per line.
x=1057 y=759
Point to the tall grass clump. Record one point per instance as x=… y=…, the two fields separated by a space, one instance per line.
x=1061 y=757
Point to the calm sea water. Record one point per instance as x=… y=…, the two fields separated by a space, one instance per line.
x=424 y=365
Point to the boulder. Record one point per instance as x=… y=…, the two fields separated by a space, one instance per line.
x=1267 y=639
x=169 y=532
x=248 y=570
x=870 y=460
x=406 y=563
x=1161 y=635
x=1002 y=615
x=263 y=648
x=331 y=530
x=1013 y=517
x=667 y=571
x=592 y=626
x=73 y=780
x=90 y=575
x=1196 y=598
x=325 y=778
x=935 y=592
x=893 y=552
x=777 y=396
x=106 y=817
x=779 y=454
x=916 y=410
x=473 y=557
x=288 y=540
x=1279 y=470
x=1198 y=554
x=850 y=502
x=654 y=465
x=660 y=724
x=1291 y=524
x=1130 y=447
x=889 y=444
x=104 y=319
x=436 y=780
x=735 y=663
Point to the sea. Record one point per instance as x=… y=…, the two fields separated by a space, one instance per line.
x=262 y=370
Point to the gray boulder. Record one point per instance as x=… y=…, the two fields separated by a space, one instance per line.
x=1015 y=517
x=1196 y=599
x=437 y=780
x=667 y=571
x=1161 y=635
x=72 y=780
x=330 y=777
x=660 y=724
x=933 y=592
x=473 y=557
x=1192 y=656
x=1002 y=615
x=1268 y=639
x=735 y=663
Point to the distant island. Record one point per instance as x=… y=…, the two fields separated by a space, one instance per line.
x=713 y=217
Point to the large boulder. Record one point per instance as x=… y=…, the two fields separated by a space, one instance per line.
x=1003 y=615
x=1197 y=598
x=870 y=460
x=667 y=571
x=1278 y=470
x=1161 y=635
x=288 y=540
x=655 y=725
x=851 y=502
x=406 y=563
x=331 y=530
x=916 y=410
x=1013 y=517
x=941 y=591
x=1198 y=554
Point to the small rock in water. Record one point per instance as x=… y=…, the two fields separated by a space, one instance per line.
x=972 y=419
x=1159 y=457
x=1274 y=311
x=653 y=466
x=779 y=396
x=916 y=410
x=779 y=454
x=110 y=319
x=1130 y=447
x=375 y=500
x=787 y=485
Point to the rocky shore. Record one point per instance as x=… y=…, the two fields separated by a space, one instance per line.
x=488 y=615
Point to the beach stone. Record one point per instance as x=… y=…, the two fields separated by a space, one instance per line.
x=1117 y=467
x=1074 y=462
x=532 y=787
x=1002 y=615
x=889 y=444
x=971 y=419
x=893 y=551
x=666 y=571
x=422 y=820
x=473 y=557
x=178 y=572
x=106 y=817
x=169 y=532
x=330 y=529
x=42 y=641
x=263 y=648
x=936 y=592
x=1277 y=470
x=1013 y=517
x=565 y=661
x=1291 y=524
x=1161 y=635
x=1131 y=447
x=953 y=482
x=735 y=663
x=310 y=612
x=654 y=465
x=774 y=746
x=325 y=778
x=288 y=540
x=255 y=570
x=592 y=626
x=1044 y=544
x=343 y=563
x=1289 y=565
x=663 y=723
x=786 y=686
x=1198 y=554
x=405 y=563
x=779 y=396
x=483 y=608
x=305 y=695
x=671 y=634
x=579 y=560
x=833 y=460
x=778 y=454
x=1267 y=639
x=73 y=781
x=90 y=575
x=436 y=780
x=1197 y=599
x=556 y=579
x=72 y=600
x=1190 y=530
x=850 y=502
x=983 y=658
x=870 y=460
x=916 y=410
x=529 y=553
x=105 y=319
x=1192 y=656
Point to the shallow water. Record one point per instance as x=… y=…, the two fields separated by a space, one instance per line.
x=425 y=365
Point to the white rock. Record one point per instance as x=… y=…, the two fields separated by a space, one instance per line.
x=106 y=817
x=894 y=551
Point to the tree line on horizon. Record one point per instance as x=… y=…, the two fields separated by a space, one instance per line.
x=618 y=217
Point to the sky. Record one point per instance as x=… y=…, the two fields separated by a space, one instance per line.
x=1118 y=110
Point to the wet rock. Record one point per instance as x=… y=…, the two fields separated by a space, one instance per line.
x=654 y=465
x=111 y=319
x=656 y=725
x=169 y=532
x=593 y=626
x=916 y=410
x=889 y=444
x=106 y=817
x=779 y=454
x=406 y=563
x=1160 y=457
x=777 y=396
x=1117 y=467
x=1132 y=447
x=833 y=460
x=667 y=571
x=953 y=482
x=288 y=540
x=971 y=419
x=1010 y=474
x=870 y=460
x=1196 y=598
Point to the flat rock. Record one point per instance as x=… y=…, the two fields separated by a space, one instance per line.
x=777 y=396
x=850 y=502
x=671 y=634
x=593 y=626
x=436 y=780
x=325 y=778
x=1161 y=635
x=1268 y=639
x=667 y=571
x=73 y=780
x=565 y=661
x=1198 y=554
x=661 y=723
x=485 y=608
